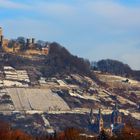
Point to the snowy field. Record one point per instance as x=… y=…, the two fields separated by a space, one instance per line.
x=36 y=99
x=125 y=101
x=118 y=80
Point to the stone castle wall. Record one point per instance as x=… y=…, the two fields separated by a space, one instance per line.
x=30 y=44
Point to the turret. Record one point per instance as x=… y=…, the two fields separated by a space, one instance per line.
x=30 y=42
x=116 y=116
x=1 y=31
x=1 y=39
x=1 y=36
x=33 y=40
x=100 y=121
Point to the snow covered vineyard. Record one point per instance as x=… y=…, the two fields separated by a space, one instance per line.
x=13 y=77
x=27 y=99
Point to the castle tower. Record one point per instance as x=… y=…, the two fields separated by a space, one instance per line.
x=30 y=42
x=116 y=116
x=1 y=36
x=1 y=31
x=33 y=40
x=100 y=123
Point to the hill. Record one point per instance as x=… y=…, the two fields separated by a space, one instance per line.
x=37 y=91
x=117 y=68
x=58 y=62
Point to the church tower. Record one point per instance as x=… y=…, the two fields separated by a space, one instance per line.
x=92 y=118
x=116 y=116
x=100 y=123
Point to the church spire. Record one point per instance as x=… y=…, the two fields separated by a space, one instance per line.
x=116 y=116
x=100 y=114
x=91 y=116
x=116 y=106
x=91 y=112
x=100 y=121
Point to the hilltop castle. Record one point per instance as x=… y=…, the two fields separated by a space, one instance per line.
x=30 y=46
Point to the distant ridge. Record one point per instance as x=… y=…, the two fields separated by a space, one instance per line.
x=116 y=67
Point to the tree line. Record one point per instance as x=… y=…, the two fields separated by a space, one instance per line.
x=116 y=67
x=128 y=133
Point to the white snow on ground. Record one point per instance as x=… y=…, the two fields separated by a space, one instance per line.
x=23 y=75
x=102 y=94
x=107 y=92
x=15 y=75
x=77 y=77
x=76 y=95
x=81 y=111
x=136 y=115
x=42 y=81
x=91 y=81
x=46 y=122
x=125 y=101
x=31 y=112
x=1 y=85
x=8 y=68
x=96 y=97
x=9 y=83
x=106 y=111
x=36 y=99
x=130 y=80
x=15 y=98
x=6 y=107
x=86 y=97
x=10 y=72
x=119 y=79
x=74 y=111
x=61 y=83
x=23 y=98
x=50 y=131
x=126 y=112
x=93 y=97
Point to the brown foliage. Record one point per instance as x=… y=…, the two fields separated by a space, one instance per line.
x=128 y=133
x=60 y=60
x=6 y=133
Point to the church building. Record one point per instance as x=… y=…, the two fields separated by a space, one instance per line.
x=97 y=123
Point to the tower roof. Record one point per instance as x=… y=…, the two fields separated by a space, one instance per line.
x=116 y=111
x=91 y=112
x=99 y=114
x=92 y=118
x=116 y=106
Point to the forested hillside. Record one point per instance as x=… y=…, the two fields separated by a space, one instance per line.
x=58 y=62
x=117 y=68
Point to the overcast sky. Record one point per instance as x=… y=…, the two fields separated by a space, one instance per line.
x=93 y=29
